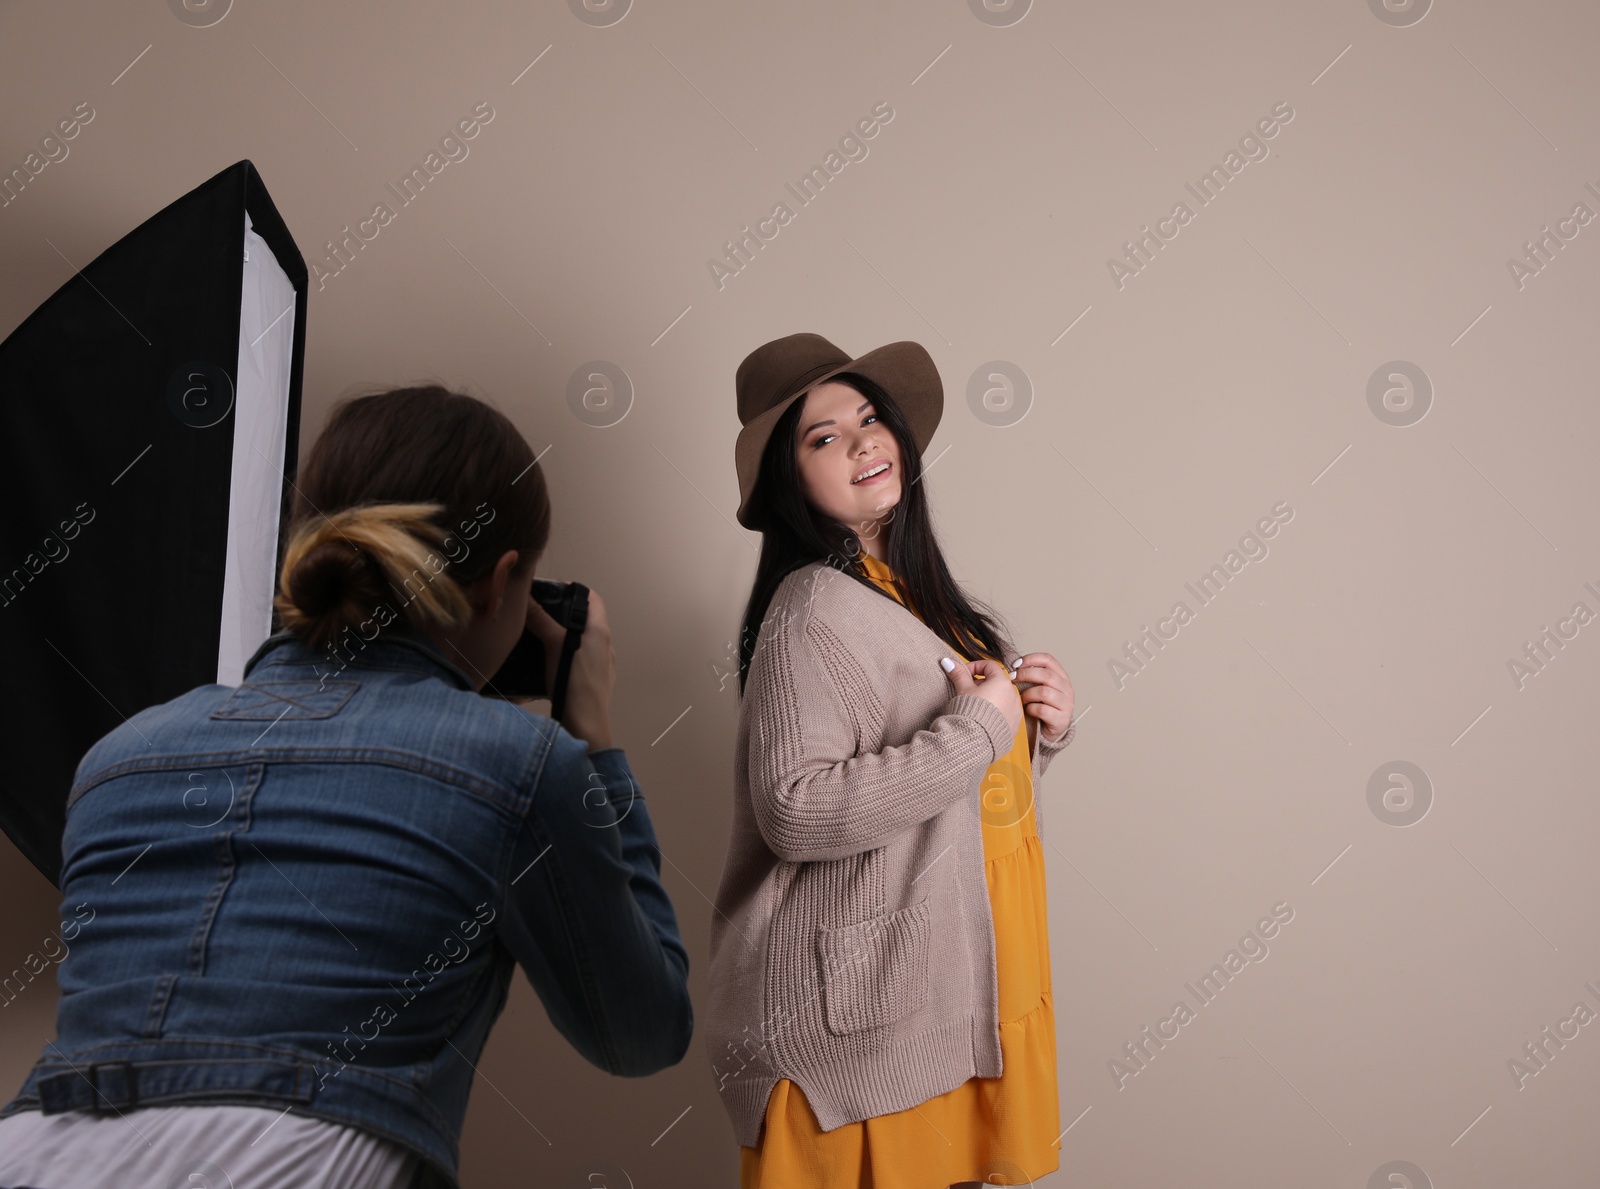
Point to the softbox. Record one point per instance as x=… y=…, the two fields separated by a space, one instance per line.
x=149 y=416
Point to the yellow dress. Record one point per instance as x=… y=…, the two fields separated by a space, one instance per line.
x=1002 y=1130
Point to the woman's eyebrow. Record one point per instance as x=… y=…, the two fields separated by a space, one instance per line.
x=830 y=420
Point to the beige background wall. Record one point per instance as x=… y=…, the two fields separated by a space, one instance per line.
x=1246 y=765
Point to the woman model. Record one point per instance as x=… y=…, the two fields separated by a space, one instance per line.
x=880 y=1000
x=297 y=905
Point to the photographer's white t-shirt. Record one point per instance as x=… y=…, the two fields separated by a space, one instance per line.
x=194 y=1147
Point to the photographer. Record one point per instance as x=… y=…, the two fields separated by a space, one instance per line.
x=312 y=891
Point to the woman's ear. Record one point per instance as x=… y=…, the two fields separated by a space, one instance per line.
x=492 y=588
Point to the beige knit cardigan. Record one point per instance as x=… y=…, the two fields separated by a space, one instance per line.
x=856 y=846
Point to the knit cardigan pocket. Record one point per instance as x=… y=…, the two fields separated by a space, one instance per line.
x=875 y=972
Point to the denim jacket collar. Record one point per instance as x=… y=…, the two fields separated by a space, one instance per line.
x=398 y=646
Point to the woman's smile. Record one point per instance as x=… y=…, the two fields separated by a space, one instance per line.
x=877 y=472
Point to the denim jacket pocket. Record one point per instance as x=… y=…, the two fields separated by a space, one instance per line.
x=875 y=972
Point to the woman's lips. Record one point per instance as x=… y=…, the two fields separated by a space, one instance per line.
x=879 y=477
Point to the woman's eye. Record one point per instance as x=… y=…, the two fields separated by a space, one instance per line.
x=827 y=437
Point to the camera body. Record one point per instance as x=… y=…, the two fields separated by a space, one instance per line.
x=524 y=674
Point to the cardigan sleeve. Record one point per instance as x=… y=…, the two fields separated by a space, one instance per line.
x=1049 y=750
x=814 y=795
x=1045 y=752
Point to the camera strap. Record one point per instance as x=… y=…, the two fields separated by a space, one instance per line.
x=569 y=645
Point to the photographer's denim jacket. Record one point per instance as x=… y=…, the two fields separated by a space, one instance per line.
x=312 y=892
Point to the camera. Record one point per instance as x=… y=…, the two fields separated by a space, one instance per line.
x=523 y=674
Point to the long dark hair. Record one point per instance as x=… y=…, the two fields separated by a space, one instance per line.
x=796 y=534
x=408 y=496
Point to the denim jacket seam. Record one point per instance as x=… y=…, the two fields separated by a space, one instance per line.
x=469 y=998
x=461 y=778
x=605 y=1042
x=525 y=796
x=379 y=1075
x=156 y=1013
x=228 y=869
x=180 y=1042
x=538 y=761
x=218 y=1095
x=52 y=1066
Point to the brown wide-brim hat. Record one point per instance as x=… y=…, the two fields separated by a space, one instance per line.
x=778 y=373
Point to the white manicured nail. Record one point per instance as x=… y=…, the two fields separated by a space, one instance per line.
x=946 y=664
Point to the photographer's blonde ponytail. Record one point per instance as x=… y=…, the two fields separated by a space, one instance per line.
x=339 y=569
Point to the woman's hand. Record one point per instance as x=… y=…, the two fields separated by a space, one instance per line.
x=987 y=679
x=1050 y=698
x=587 y=714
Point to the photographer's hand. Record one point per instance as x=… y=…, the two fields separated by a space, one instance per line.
x=587 y=714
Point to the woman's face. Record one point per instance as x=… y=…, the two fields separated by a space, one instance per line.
x=841 y=438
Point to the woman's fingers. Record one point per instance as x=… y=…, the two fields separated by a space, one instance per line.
x=1049 y=696
x=1041 y=668
x=543 y=625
